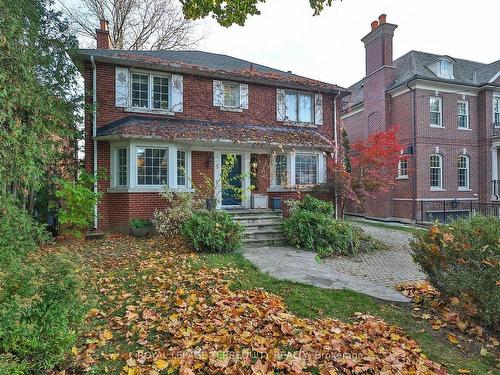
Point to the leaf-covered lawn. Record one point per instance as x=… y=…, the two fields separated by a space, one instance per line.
x=161 y=309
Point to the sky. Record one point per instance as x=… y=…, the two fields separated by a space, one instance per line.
x=328 y=47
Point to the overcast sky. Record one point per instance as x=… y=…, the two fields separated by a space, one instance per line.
x=328 y=47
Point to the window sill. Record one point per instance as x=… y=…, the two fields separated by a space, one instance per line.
x=464 y=189
x=149 y=111
x=402 y=178
x=231 y=109
x=466 y=129
x=152 y=189
x=436 y=126
x=437 y=189
x=302 y=124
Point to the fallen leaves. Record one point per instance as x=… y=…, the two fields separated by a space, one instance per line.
x=161 y=311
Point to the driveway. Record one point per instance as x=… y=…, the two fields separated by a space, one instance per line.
x=373 y=274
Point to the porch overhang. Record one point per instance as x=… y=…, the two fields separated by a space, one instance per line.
x=209 y=133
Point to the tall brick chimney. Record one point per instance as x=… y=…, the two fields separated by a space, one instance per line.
x=102 y=35
x=378 y=44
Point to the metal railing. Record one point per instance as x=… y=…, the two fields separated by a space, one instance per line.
x=445 y=211
x=495 y=129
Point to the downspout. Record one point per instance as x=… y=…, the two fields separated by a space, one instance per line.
x=94 y=131
x=335 y=135
x=414 y=147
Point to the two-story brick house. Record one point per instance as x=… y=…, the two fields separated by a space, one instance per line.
x=172 y=117
x=448 y=110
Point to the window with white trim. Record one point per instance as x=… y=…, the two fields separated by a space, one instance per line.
x=121 y=170
x=403 y=168
x=231 y=95
x=306 y=169
x=152 y=166
x=436 y=171
x=496 y=111
x=445 y=69
x=150 y=91
x=436 y=116
x=463 y=172
x=181 y=168
x=463 y=114
x=281 y=170
x=299 y=107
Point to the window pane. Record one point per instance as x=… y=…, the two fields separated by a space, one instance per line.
x=140 y=90
x=306 y=169
x=160 y=93
x=403 y=168
x=463 y=172
x=231 y=94
x=435 y=171
x=181 y=168
x=281 y=173
x=121 y=167
x=435 y=105
x=291 y=106
x=151 y=164
x=305 y=108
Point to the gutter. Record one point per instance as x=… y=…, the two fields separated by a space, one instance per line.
x=414 y=147
x=94 y=132
x=336 y=140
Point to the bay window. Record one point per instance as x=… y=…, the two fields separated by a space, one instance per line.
x=299 y=107
x=306 y=169
x=152 y=166
x=150 y=91
x=121 y=167
x=181 y=168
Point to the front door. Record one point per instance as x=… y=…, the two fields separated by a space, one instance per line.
x=229 y=197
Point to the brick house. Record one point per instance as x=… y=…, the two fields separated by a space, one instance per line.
x=448 y=110
x=172 y=117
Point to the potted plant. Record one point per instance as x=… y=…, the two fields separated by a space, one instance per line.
x=140 y=227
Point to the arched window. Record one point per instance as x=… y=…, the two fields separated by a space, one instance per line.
x=436 y=171
x=463 y=172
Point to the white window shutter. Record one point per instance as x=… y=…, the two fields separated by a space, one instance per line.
x=121 y=86
x=218 y=93
x=280 y=104
x=318 y=109
x=177 y=99
x=243 y=96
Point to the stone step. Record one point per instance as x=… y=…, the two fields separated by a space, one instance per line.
x=259 y=227
x=253 y=212
x=260 y=223
x=263 y=231
x=256 y=218
x=256 y=242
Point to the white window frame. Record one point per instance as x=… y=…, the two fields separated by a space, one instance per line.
x=114 y=167
x=467 y=173
x=169 y=162
x=440 y=100
x=151 y=76
x=236 y=86
x=496 y=98
x=317 y=179
x=401 y=175
x=298 y=93
x=185 y=167
x=449 y=71
x=285 y=178
x=467 y=122
x=440 y=158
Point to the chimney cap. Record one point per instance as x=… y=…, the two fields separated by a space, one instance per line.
x=104 y=24
x=382 y=18
x=374 y=24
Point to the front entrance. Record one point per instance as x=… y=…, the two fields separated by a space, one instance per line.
x=229 y=196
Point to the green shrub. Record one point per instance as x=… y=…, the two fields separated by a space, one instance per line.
x=139 y=223
x=212 y=231
x=462 y=259
x=311 y=204
x=78 y=202
x=321 y=233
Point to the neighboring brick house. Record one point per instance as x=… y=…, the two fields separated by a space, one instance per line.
x=171 y=117
x=448 y=110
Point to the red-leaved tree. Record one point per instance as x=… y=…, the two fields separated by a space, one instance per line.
x=367 y=170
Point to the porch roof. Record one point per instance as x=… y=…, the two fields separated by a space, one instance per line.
x=194 y=131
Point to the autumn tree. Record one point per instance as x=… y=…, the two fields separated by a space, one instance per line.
x=368 y=170
x=134 y=24
x=231 y=12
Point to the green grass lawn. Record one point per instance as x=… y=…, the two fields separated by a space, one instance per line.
x=309 y=301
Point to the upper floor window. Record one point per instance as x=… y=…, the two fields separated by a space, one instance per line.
x=149 y=91
x=463 y=115
x=463 y=172
x=231 y=95
x=496 y=111
x=403 y=168
x=445 y=69
x=306 y=169
x=299 y=107
x=152 y=166
x=436 y=171
x=436 y=116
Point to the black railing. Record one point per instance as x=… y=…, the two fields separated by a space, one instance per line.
x=495 y=128
x=495 y=189
x=445 y=211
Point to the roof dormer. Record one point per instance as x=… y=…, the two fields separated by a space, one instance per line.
x=443 y=67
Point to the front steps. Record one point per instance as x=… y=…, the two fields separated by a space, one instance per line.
x=262 y=227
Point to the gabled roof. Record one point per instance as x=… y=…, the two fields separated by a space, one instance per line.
x=192 y=131
x=206 y=63
x=415 y=64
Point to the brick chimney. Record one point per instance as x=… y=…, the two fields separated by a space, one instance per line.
x=378 y=44
x=102 y=35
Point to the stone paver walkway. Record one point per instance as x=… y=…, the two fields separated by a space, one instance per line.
x=372 y=274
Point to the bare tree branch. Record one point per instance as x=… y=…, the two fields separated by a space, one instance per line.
x=134 y=24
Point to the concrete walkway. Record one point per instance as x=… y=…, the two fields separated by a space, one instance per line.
x=372 y=274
